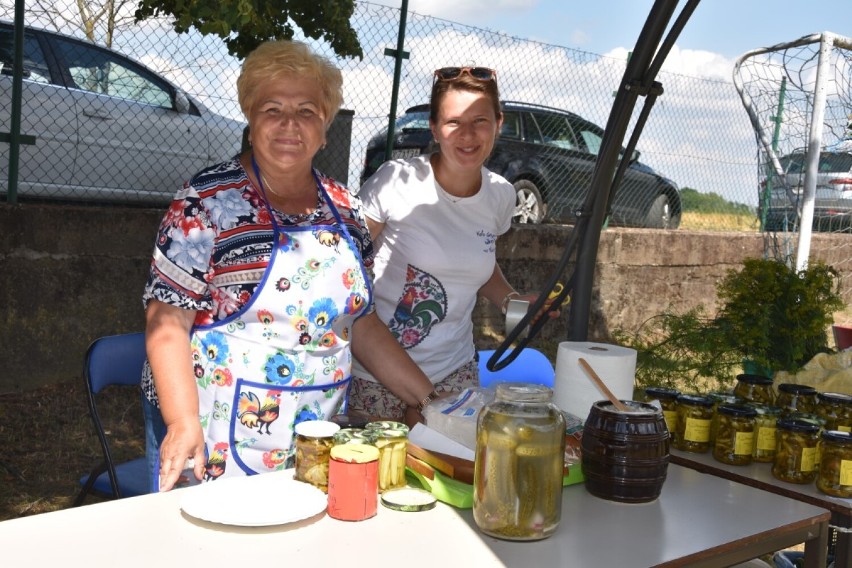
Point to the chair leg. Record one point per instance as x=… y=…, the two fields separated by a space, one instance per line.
x=90 y=482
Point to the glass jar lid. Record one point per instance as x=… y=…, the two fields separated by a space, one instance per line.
x=524 y=392
x=662 y=393
x=834 y=398
x=316 y=428
x=724 y=398
x=740 y=410
x=696 y=399
x=837 y=436
x=793 y=388
x=798 y=425
x=754 y=379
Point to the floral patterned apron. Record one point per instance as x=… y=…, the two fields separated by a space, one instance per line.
x=285 y=357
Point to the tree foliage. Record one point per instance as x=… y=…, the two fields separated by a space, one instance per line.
x=245 y=24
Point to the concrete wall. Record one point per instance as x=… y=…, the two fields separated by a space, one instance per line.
x=70 y=274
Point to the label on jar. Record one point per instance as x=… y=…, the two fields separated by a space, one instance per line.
x=845 y=472
x=671 y=419
x=809 y=460
x=744 y=443
x=766 y=439
x=697 y=430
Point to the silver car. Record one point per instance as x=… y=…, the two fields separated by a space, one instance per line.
x=99 y=127
x=783 y=195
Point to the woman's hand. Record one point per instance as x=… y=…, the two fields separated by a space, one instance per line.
x=183 y=440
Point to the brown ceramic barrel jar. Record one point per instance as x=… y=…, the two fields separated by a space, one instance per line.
x=625 y=455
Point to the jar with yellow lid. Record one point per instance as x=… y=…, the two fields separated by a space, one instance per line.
x=694 y=415
x=392 y=442
x=836 y=409
x=796 y=453
x=764 y=432
x=734 y=442
x=796 y=398
x=667 y=398
x=835 y=466
x=755 y=388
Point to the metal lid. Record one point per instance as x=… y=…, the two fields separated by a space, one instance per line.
x=797 y=425
x=793 y=388
x=408 y=499
x=316 y=428
x=662 y=393
x=737 y=410
x=697 y=399
x=837 y=436
x=754 y=379
x=835 y=397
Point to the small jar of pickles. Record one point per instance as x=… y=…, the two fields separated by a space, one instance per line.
x=668 y=402
x=835 y=466
x=734 y=442
x=796 y=398
x=391 y=439
x=764 y=432
x=836 y=409
x=755 y=388
x=720 y=398
x=314 y=440
x=694 y=415
x=796 y=451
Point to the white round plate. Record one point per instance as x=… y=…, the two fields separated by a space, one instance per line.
x=255 y=501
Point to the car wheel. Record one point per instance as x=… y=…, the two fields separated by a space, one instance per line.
x=660 y=214
x=529 y=206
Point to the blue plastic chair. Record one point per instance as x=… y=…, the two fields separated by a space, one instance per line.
x=531 y=366
x=113 y=360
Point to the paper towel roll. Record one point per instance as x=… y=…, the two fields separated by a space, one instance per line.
x=573 y=389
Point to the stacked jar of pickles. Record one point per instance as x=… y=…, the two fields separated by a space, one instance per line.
x=694 y=416
x=755 y=388
x=667 y=397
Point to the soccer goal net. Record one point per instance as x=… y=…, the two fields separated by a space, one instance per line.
x=798 y=96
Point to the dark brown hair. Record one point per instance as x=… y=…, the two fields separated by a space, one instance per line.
x=463 y=83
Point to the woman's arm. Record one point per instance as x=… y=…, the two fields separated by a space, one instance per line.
x=385 y=359
x=167 y=343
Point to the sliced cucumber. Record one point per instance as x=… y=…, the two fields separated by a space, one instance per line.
x=408 y=499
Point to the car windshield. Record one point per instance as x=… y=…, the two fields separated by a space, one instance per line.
x=829 y=162
x=413 y=121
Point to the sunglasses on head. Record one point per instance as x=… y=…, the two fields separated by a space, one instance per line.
x=453 y=73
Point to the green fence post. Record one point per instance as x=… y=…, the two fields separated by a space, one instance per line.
x=399 y=55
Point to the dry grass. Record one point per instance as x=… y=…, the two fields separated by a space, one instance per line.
x=718 y=222
x=49 y=442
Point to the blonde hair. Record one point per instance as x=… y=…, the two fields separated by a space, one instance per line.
x=272 y=60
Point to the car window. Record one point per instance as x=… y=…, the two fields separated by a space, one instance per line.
x=592 y=140
x=555 y=130
x=511 y=126
x=530 y=129
x=413 y=121
x=100 y=72
x=35 y=65
x=830 y=162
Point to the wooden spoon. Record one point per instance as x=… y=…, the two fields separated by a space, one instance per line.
x=620 y=406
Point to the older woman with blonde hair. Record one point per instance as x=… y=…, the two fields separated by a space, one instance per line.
x=258 y=297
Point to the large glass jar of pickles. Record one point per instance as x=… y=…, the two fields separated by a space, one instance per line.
x=835 y=466
x=520 y=441
x=734 y=442
x=796 y=453
x=391 y=438
x=836 y=409
x=796 y=398
x=668 y=402
x=764 y=432
x=314 y=440
x=694 y=415
x=755 y=388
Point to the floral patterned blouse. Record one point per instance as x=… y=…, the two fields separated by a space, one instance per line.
x=216 y=239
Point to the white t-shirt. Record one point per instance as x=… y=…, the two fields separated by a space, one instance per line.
x=431 y=258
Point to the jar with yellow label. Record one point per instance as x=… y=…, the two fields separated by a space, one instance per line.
x=694 y=415
x=835 y=466
x=734 y=442
x=667 y=398
x=755 y=388
x=720 y=398
x=764 y=432
x=836 y=409
x=796 y=453
x=796 y=398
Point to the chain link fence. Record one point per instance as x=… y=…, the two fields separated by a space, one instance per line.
x=698 y=135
